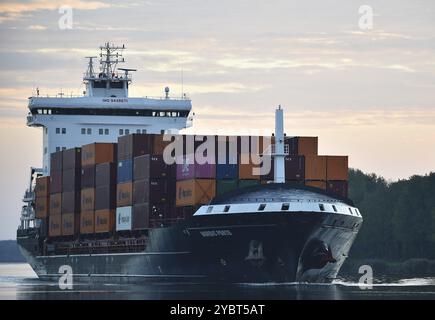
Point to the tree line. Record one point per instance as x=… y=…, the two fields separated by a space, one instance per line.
x=399 y=217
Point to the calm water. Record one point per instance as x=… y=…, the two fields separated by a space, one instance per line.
x=18 y=281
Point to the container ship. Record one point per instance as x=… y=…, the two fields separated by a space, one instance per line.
x=124 y=196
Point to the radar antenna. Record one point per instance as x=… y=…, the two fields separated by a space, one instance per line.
x=110 y=56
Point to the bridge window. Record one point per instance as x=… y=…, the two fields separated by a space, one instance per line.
x=227 y=208
x=209 y=209
x=116 y=85
x=121 y=132
x=57 y=149
x=89 y=131
x=63 y=130
x=100 y=84
x=83 y=130
x=63 y=148
x=321 y=207
x=262 y=207
x=335 y=209
x=144 y=131
x=100 y=131
x=138 y=131
x=106 y=132
x=285 y=206
x=127 y=131
x=57 y=130
x=350 y=210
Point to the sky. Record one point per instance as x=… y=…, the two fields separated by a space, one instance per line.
x=367 y=91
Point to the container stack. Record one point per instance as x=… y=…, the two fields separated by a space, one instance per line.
x=337 y=169
x=129 y=147
x=55 y=211
x=153 y=191
x=227 y=168
x=98 y=188
x=71 y=191
x=42 y=200
x=103 y=187
x=196 y=182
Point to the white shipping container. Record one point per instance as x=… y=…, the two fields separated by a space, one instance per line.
x=123 y=218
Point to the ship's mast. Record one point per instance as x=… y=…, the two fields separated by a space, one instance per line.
x=279 y=154
x=110 y=56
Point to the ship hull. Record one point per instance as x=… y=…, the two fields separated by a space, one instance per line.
x=272 y=247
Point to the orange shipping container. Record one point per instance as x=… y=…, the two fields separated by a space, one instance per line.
x=96 y=153
x=70 y=224
x=315 y=167
x=246 y=168
x=308 y=146
x=55 y=204
x=88 y=199
x=194 y=192
x=55 y=225
x=42 y=187
x=87 y=219
x=124 y=194
x=337 y=168
x=42 y=205
x=316 y=184
x=104 y=221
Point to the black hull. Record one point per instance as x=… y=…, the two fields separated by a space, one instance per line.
x=237 y=248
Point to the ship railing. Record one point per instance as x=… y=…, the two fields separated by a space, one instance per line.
x=312 y=200
x=98 y=248
x=117 y=77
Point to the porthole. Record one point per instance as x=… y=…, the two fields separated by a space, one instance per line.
x=285 y=206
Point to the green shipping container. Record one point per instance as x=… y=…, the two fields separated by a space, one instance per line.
x=248 y=183
x=224 y=186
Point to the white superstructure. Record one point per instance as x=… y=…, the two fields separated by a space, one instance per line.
x=105 y=111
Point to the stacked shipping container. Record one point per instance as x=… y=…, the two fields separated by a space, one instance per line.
x=55 y=210
x=98 y=188
x=71 y=191
x=129 y=185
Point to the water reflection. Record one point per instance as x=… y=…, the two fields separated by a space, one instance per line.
x=17 y=282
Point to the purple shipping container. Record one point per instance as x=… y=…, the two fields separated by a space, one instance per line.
x=187 y=169
x=71 y=180
x=105 y=174
x=56 y=182
x=88 y=177
x=337 y=187
x=105 y=197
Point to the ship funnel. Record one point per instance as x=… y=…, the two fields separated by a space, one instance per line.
x=279 y=154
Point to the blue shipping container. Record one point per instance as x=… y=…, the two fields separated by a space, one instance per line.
x=227 y=171
x=125 y=171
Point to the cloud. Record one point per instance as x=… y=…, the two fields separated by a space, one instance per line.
x=37 y=27
x=16 y=10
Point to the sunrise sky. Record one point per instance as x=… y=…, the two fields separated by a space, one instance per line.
x=369 y=94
